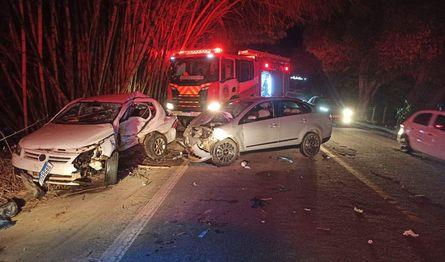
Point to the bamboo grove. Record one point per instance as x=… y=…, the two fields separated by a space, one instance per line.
x=53 y=51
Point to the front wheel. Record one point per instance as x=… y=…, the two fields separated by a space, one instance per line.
x=111 y=166
x=155 y=146
x=224 y=152
x=310 y=145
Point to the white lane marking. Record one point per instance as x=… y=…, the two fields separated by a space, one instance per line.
x=371 y=185
x=122 y=243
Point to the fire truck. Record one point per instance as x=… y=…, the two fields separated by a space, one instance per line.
x=205 y=79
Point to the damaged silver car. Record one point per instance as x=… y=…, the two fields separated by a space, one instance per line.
x=248 y=124
x=82 y=142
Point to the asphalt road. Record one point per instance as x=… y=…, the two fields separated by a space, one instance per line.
x=274 y=211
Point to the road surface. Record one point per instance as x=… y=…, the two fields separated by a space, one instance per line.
x=274 y=211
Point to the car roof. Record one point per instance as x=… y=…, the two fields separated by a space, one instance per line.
x=114 y=98
x=431 y=111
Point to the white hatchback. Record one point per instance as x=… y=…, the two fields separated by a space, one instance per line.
x=248 y=124
x=424 y=131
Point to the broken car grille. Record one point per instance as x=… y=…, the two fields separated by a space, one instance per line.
x=46 y=157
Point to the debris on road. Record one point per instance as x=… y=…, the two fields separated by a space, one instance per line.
x=5 y=223
x=8 y=208
x=370 y=242
x=287 y=159
x=263 y=221
x=410 y=233
x=180 y=155
x=259 y=202
x=325 y=156
x=245 y=164
x=195 y=183
x=282 y=188
x=32 y=187
x=323 y=229
x=358 y=210
x=203 y=233
x=307 y=209
x=146 y=183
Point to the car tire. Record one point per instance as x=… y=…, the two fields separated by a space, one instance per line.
x=310 y=145
x=155 y=145
x=111 y=167
x=404 y=144
x=224 y=152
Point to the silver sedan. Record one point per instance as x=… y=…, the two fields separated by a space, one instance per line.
x=256 y=123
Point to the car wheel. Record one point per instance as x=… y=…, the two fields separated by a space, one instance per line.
x=111 y=166
x=224 y=152
x=155 y=146
x=404 y=144
x=310 y=145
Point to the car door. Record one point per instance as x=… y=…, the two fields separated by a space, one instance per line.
x=259 y=127
x=435 y=143
x=418 y=133
x=132 y=122
x=292 y=118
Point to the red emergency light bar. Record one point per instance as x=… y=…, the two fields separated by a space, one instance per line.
x=201 y=51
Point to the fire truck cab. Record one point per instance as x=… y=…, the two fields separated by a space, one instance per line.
x=205 y=79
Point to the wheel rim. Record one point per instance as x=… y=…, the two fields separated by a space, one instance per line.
x=225 y=152
x=159 y=146
x=311 y=145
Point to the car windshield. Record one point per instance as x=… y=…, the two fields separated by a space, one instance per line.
x=236 y=107
x=194 y=70
x=88 y=113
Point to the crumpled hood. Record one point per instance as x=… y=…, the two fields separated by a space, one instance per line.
x=58 y=136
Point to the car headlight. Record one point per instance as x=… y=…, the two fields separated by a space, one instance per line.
x=214 y=106
x=347 y=114
x=83 y=159
x=170 y=106
x=18 y=149
x=323 y=109
x=219 y=134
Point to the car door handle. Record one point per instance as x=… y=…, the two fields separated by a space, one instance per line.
x=273 y=125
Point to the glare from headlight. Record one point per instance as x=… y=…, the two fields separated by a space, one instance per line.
x=219 y=134
x=323 y=109
x=170 y=106
x=214 y=106
x=347 y=115
x=401 y=130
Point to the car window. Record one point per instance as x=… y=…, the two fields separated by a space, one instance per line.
x=440 y=122
x=259 y=112
x=423 y=119
x=288 y=108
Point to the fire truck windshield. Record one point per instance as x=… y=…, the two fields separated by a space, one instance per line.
x=194 y=70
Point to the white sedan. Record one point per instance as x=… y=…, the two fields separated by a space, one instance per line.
x=256 y=123
x=82 y=142
x=424 y=131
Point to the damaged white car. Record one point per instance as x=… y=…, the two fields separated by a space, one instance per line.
x=81 y=143
x=256 y=123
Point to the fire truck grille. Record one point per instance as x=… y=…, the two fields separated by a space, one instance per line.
x=189 y=103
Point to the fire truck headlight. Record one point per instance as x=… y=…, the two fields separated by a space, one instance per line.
x=214 y=106
x=170 y=106
x=347 y=115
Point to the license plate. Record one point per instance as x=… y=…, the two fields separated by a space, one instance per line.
x=44 y=172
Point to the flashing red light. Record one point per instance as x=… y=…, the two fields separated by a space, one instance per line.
x=286 y=68
x=217 y=50
x=266 y=65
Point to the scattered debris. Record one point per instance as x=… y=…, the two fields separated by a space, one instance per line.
x=263 y=221
x=358 y=210
x=153 y=167
x=282 y=188
x=180 y=155
x=8 y=208
x=370 y=242
x=147 y=182
x=307 y=209
x=410 y=233
x=32 y=187
x=195 y=183
x=203 y=233
x=5 y=223
x=324 y=229
x=245 y=164
x=259 y=202
x=325 y=156
x=287 y=159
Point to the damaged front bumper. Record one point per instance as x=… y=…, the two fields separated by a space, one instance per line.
x=199 y=141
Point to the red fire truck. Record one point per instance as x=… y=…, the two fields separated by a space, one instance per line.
x=205 y=79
